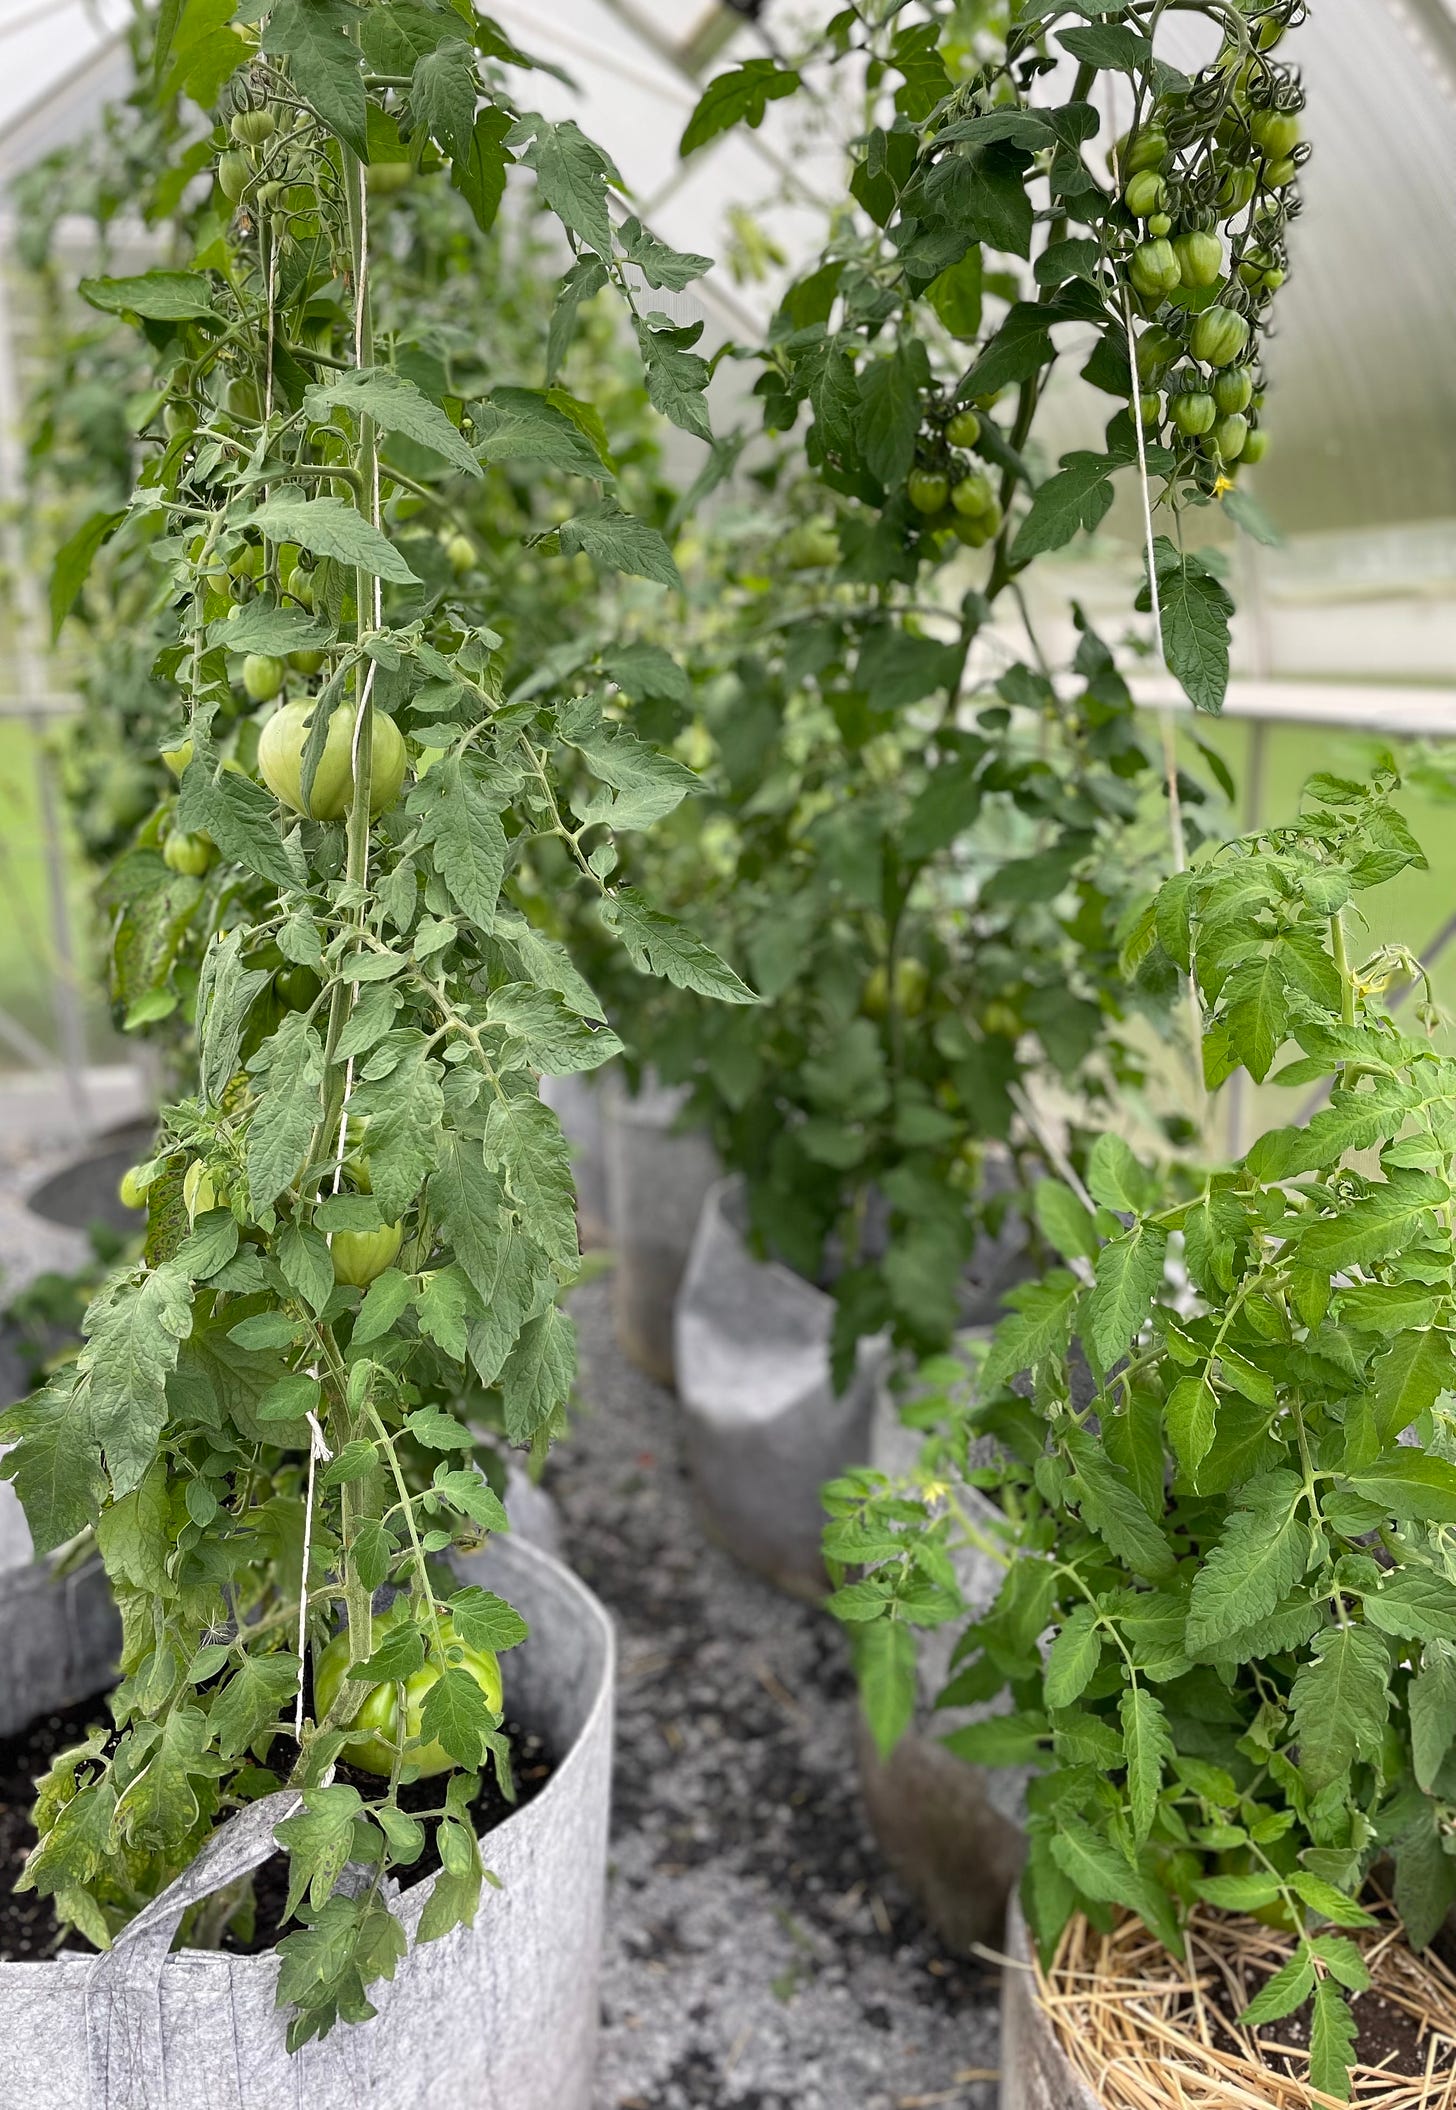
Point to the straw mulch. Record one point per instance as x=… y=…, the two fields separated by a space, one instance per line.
x=1149 y=2033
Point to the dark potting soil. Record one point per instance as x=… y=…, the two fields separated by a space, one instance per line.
x=29 y=1931
x=1384 y=2032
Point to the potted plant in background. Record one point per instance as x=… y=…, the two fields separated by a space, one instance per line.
x=255 y=1436
x=1238 y=1547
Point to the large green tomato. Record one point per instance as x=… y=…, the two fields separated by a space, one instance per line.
x=191 y=855
x=280 y=760
x=359 y=1256
x=1219 y=336
x=378 y=1719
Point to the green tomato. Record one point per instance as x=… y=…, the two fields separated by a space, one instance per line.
x=1231 y=436
x=387 y=178
x=192 y=855
x=1157 y=348
x=1276 y=133
x=359 y=1256
x=297 y=987
x=1154 y=271
x=307 y=662
x=1256 y=446
x=263 y=676
x=298 y=585
x=253 y=128
x=243 y=400
x=1233 y=389
x=377 y=1721
x=280 y=761
x=179 y=421
x=1200 y=258
x=977 y=529
x=810 y=545
x=1193 y=414
x=1219 y=336
x=1278 y=173
x=973 y=497
x=1146 y=193
x=1158 y=224
x=460 y=554
x=233 y=175
x=247 y=562
x=177 y=758
x=1148 y=151
x=132 y=1192
x=1150 y=408
x=1235 y=188
x=964 y=429
x=927 y=490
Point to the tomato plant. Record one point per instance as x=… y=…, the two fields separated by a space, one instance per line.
x=360 y=1207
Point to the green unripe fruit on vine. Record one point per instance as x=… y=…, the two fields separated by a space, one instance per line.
x=1193 y=414
x=1256 y=446
x=247 y=563
x=178 y=421
x=375 y=1738
x=912 y=986
x=1150 y=408
x=233 y=174
x=1154 y=270
x=132 y=1192
x=1157 y=348
x=977 y=529
x=1233 y=390
x=1278 y=173
x=1275 y=132
x=927 y=490
x=1158 y=224
x=359 y=1256
x=973 y=496
x=1231 y=436
x=1236 y=187
x=460 y=554
x=253 y=128
x=387 y=178
x=1219 y=337
x=964 y=429
x=1148 y=151
x=811 y=545
x=1200 y=259
x=243 y=400
x=198 y=1192
x=262 y=676
x=177 y=758
x=280 y=761
x=307 y=662
x=298 y=585
x=1146 y=193
x=191 y=855
x=297 y=987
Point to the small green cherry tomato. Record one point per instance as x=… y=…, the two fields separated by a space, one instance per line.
x=306 y=662
x=233 y=173
x=964 y=429
x=927 y=490
x=359 y=1256
x=1219 y=336
x=253 y=128
x=1150 y=408
x=263 y=676
x=1158 y=224
x=973 y=496
x=1146 y=193
x=191 y=855
x=132 y=1193
x=387 y=178
x=1231 y=436
x=179 y=421
x=243 y=400
x=1276 y=133
x=177 y=758
x=1157 y=348
x=1200 y=258
x=1193 y=414
x=1154 y=271
x=1236 y=187
x=810 y=545
x=460 y=554
x=1256 y=446
x=1148 y=151
x=1278 y=173
x=1233 y=389
x=280 y=761
x=297 y=987
x=377 y=1720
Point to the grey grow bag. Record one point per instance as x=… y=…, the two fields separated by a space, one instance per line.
x=763 y=1425
x=656 y=1176
x=499 y=2016
x=58 y=1635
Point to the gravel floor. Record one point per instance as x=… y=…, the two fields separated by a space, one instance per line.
x=758 y=1957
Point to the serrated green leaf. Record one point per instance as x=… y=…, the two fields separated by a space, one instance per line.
x=1129 y=1276
x=1147 y=1747
x=1257 y=1561
x=1340 y=1699
x=660 y=945
x=1332 y=2037
x=396 y=405
x=1191 y=1413
x=1073 y=1657
x=326 y=527
x=738 y=97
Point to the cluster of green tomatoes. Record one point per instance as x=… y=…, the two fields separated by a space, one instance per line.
x=948 y=488
x=1205 y=181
